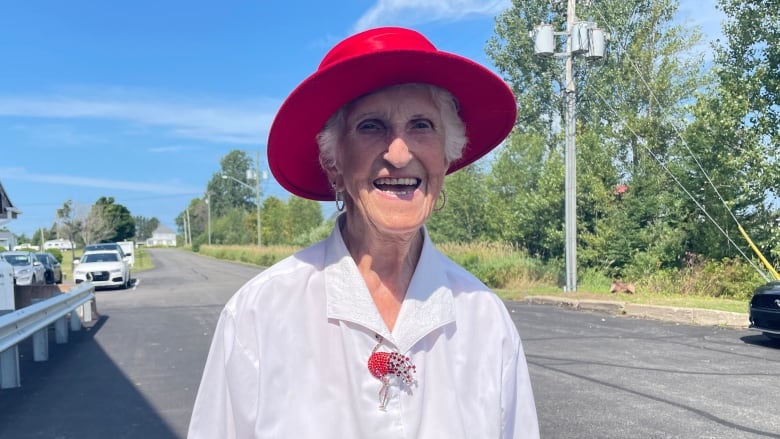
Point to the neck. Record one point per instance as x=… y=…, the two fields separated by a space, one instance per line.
x=386 y=264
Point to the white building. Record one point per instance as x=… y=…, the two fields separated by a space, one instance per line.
x=61 y=243
x=7 y=240
x=7 y=213
x=162 y=236
x=7 y=210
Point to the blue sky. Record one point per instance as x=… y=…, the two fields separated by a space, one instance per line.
x=140 y=100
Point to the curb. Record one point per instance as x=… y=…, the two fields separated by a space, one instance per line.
x=690 y=316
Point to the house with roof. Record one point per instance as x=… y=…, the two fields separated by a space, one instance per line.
x=8 y=213
x=59 y=243
x=162 y=236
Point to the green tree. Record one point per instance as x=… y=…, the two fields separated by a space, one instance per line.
x=110 y=222
x=70 y=222
x=231 y=228
x=735 y=134
x=464 y=216
x=304 y=215
x=275 y=222
x=227 y=193
x=526 y=195
x=628 y=108
x=145 y=227
x=749 y=62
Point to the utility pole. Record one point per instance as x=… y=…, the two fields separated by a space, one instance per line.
x=582 y=38
x=257 y=188
x=187 y=230
x=208 y=214
x=570 y=157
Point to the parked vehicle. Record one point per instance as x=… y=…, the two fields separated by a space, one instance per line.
x=27 y=269
x=129 y=248
x=104 y=268
x=109 y=246
x=765 y=310
x=53 y=273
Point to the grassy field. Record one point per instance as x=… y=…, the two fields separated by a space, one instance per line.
x=517 y=277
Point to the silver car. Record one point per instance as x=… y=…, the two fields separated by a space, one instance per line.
x=27 y=269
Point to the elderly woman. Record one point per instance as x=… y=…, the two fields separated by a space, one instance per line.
x=373 y=333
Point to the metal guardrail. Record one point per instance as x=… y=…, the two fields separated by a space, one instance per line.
x=34 y=320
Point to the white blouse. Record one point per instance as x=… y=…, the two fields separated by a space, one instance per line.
x=289 y=357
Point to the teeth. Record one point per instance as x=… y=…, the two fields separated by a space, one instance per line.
x=397 y=181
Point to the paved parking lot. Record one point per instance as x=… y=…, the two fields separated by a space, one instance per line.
x=134 y=373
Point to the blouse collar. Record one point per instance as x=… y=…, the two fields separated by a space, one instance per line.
x=428 y=303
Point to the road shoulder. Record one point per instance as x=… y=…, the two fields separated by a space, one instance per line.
x=691 y=316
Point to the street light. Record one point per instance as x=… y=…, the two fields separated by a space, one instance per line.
x=208 y=206
x=257 y=192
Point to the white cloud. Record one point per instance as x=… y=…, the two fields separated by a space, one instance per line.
x=210 y=121
x=411 y=12
x=164 y=149
x=166 y=188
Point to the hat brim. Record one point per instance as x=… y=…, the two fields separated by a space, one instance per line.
x=487 y=108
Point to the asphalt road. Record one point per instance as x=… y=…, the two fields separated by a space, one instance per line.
x=135 y=372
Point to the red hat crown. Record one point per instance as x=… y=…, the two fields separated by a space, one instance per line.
x=377 y=40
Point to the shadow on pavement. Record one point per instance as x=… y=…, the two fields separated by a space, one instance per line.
x=761 y=340
x=78 y=393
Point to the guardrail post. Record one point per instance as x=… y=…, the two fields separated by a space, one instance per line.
x=61 y=331
x=86 y=311
x=75 y=321
x=41 y=345
x=9 y=368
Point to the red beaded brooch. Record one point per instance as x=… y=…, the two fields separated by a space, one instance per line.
x=382 y=365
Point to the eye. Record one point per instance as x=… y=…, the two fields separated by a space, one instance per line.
x=421 y=124
x=370 y=125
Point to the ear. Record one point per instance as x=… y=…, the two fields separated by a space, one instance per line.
x=335 y=178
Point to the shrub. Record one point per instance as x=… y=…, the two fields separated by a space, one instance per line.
x=727 y=278
x=499 y=265
x=262 y=256
x=56 y=253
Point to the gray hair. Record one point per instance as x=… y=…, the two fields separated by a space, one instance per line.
x=454 y=130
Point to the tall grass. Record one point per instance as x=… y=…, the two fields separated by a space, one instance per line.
x=500 y=265
x=262 y=256
x=514 y=274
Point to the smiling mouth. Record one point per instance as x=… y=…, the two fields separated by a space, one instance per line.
x=400 y=186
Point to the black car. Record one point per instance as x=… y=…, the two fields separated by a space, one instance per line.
x=765 y=310
x=53 y=267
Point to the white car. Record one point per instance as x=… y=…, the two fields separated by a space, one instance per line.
x=104 y=268
x=27 y=269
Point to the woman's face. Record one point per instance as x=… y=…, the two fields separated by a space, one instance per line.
x=391 y=161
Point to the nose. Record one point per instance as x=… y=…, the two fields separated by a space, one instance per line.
x=398 y=153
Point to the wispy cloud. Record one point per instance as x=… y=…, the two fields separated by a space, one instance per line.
x=165 y=149
x=159 y=188
x=207 y=120
x=411 y=12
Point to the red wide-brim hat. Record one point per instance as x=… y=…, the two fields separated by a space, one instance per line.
x=367 y=62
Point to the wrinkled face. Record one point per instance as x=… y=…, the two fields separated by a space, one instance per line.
x=391 y=160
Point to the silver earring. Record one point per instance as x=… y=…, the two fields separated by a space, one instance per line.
x=443 y=198
x=340 y=201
